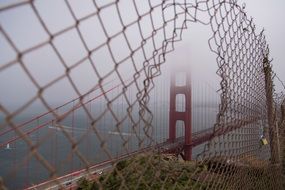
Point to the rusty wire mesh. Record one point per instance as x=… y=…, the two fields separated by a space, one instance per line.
x=135 y=35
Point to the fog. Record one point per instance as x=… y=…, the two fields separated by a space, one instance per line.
x=67 y=59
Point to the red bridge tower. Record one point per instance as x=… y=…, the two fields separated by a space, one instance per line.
x=185 y=115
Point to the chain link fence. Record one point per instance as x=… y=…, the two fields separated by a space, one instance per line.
x=105 y=56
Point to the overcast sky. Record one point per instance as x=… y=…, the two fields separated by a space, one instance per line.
x=270 y=15
x=44 y=65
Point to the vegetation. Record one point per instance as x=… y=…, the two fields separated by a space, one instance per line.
x=152 y=171
x=147 y=172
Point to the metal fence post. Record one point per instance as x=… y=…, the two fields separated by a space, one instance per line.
x=275 y=158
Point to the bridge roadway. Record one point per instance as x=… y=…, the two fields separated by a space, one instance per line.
x=200 y=137
x=203 y=136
